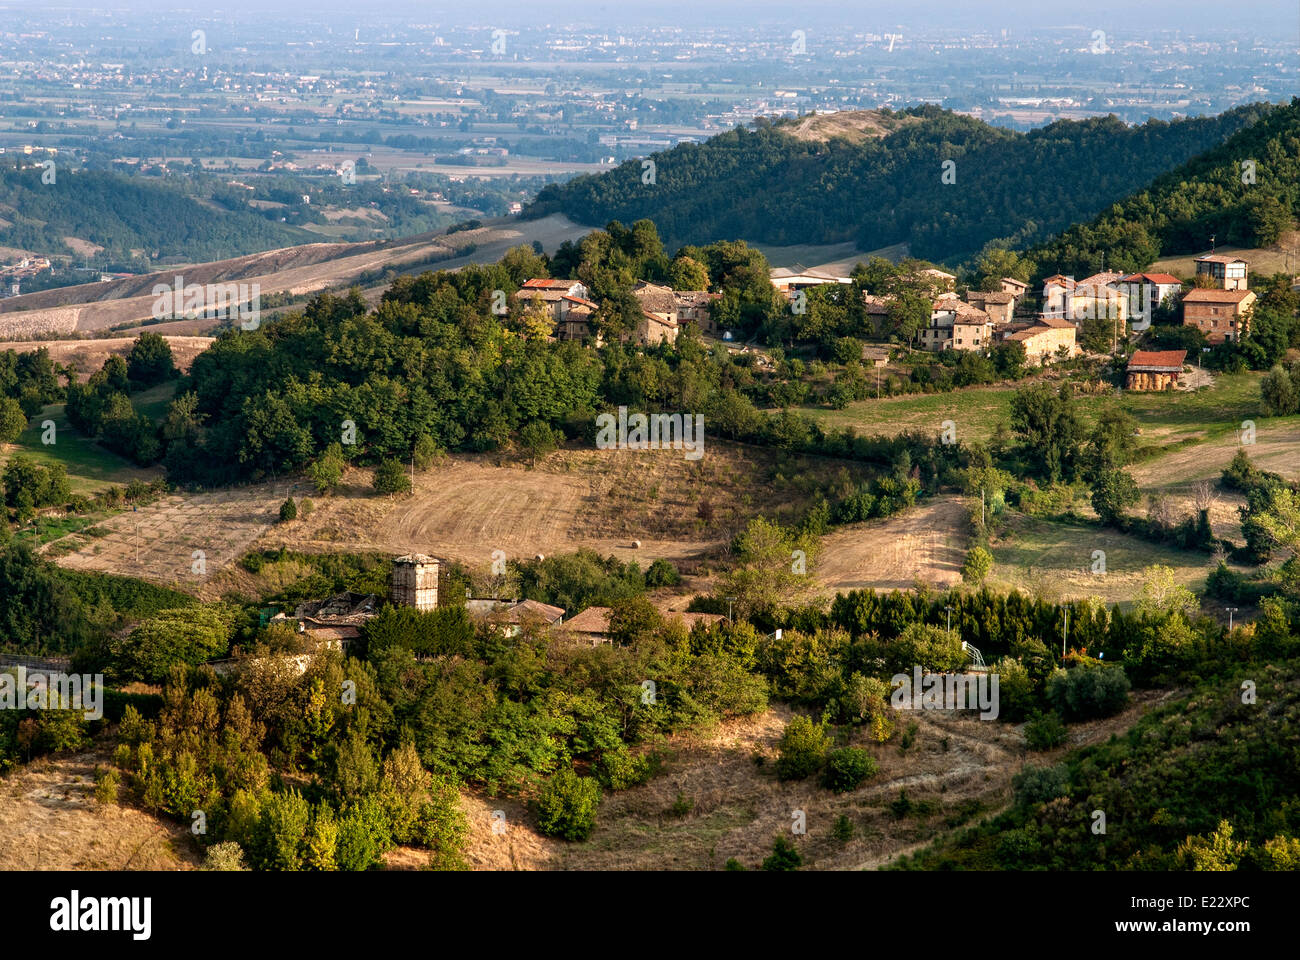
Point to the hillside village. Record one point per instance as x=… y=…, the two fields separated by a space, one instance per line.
x=1216 y=301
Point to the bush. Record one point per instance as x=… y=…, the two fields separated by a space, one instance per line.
x=390 y=478
x=847 y=769
x=843 y=829
x=1036 y=784
x=802 y=749
x=1087 y=692
x=226 y=857
x=979 y=563
x=106 y=786
x=288 y=511
x=784 y=856
x=566 y=806
x=619 y=769
x=1045 y=731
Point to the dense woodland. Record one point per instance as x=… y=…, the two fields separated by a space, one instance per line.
x=770 y=187
x=1210 y=195
x=122 y=215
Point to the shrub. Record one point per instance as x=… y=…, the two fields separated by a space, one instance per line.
x=979 y=562
x=783 y=857
x=619 y=769
x=288 y=511
x=847 y=769
x=106 y=786
x=1045 y=731
x=802 y=749
x=843 y=829
x=1086 y=692
x=566 y=806
x=226 y=857
x=390 y=478
x=734 y=864
x=1036 y=784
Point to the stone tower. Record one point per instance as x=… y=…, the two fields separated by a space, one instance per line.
x=415 y=582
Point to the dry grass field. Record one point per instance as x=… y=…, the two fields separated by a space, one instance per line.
x=958 y=770
x=49 y=820
x=157 y=541
x=924 y=545
x=602 y=499
x=90 y=354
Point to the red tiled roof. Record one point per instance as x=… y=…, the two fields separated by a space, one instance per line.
x=1217 y=296
x=1152 y=278
x=1173 y=359
x=591 y=620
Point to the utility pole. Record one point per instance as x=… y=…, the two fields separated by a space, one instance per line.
x=1065 y=628
x=729 y=600
x=1231 y=611
x=949 y=609
x=981 y=506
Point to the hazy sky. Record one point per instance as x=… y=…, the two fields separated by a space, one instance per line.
x=1280 y=18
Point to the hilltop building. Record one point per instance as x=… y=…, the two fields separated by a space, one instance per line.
x=1227 y=273
x=415 y=582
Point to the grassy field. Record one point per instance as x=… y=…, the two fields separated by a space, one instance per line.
x=1212 y=414
x=90 y=467
x=1054 y=559
x=976 y=411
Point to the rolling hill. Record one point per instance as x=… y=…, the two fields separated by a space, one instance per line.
x=876 y=178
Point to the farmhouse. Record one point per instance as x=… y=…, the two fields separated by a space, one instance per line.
x=998 y=304
x=1056 y=289
x=696 y=306
x=956 y=325
x=1045 y=339
x=788 y=281
x=1150 y=287
x=590 y=627
x=656 y=328
x=1227 y=273
x=557 y=297
x=512 y=615
x=1222 y=315
x=1016 y=288
x=1155 y=369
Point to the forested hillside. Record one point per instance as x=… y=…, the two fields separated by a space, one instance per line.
x=771 y=187
x=122 y=214
x=1245 y=192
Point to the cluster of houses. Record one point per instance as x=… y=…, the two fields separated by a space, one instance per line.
x=336 y=622
x=1219 y=306
x=664 y=311
x=12 y=275
x=977 y=323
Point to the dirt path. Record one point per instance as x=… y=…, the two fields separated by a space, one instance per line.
x=927 y=543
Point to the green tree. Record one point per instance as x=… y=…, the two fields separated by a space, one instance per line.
x=801 y=751
x=13 y=421
x=391 y=478
x=150 y=360
x=566 y=805
x=979 y=563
